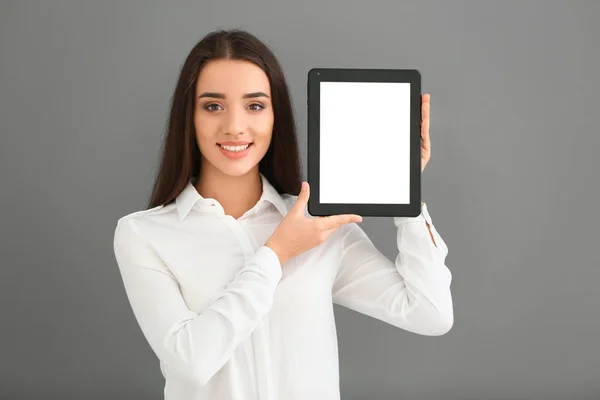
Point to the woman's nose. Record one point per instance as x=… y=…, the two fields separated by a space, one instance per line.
x=235 y=123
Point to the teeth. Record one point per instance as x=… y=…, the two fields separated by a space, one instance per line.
x=235 y=148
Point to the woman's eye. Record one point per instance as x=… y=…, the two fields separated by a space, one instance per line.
x=212 y=107
x=256 y=107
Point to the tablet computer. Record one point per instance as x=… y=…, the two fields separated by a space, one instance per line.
x=364 y=142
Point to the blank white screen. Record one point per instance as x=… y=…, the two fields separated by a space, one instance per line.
x=365 y=142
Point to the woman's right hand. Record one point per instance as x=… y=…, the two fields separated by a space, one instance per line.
x=298 y=233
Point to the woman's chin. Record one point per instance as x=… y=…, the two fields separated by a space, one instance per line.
x=236 y=168
x=235 y=165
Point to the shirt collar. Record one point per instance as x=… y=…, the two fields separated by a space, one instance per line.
x=189 y=197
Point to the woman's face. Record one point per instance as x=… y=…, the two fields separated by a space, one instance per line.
x=233 y=116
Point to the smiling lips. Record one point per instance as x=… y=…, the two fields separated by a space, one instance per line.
x=234 y=149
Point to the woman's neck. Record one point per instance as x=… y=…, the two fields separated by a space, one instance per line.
x=236 y=194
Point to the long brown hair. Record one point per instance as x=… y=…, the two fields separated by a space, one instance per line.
x=180 y=156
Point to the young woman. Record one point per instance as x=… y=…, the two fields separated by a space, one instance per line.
x=232 y=282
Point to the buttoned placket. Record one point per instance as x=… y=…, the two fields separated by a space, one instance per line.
x=249 y=246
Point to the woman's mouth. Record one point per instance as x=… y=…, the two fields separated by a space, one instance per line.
x=235 y=151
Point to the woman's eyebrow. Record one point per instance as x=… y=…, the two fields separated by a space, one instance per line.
x=255 y=94
x=212 y=94
x=222 y=96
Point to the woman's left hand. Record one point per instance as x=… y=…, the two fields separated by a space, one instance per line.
x=425 y=142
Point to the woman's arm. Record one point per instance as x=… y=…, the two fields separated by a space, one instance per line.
x=412 y=292
x=196 y=344
x=429 y=228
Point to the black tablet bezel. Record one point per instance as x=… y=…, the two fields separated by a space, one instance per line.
x=318 y=75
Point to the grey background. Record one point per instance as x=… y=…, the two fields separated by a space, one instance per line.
x=512 y=185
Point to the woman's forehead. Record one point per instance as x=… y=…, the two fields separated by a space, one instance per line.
x=232 y=77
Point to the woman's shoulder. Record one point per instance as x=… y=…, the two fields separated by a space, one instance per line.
x=290 y=199
x=138 y=216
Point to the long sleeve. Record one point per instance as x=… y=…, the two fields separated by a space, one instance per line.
x=195 y=344
x=412 y=292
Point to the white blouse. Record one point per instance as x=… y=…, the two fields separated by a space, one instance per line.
x=227 y=321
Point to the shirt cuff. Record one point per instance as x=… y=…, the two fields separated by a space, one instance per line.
x=267 y=261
